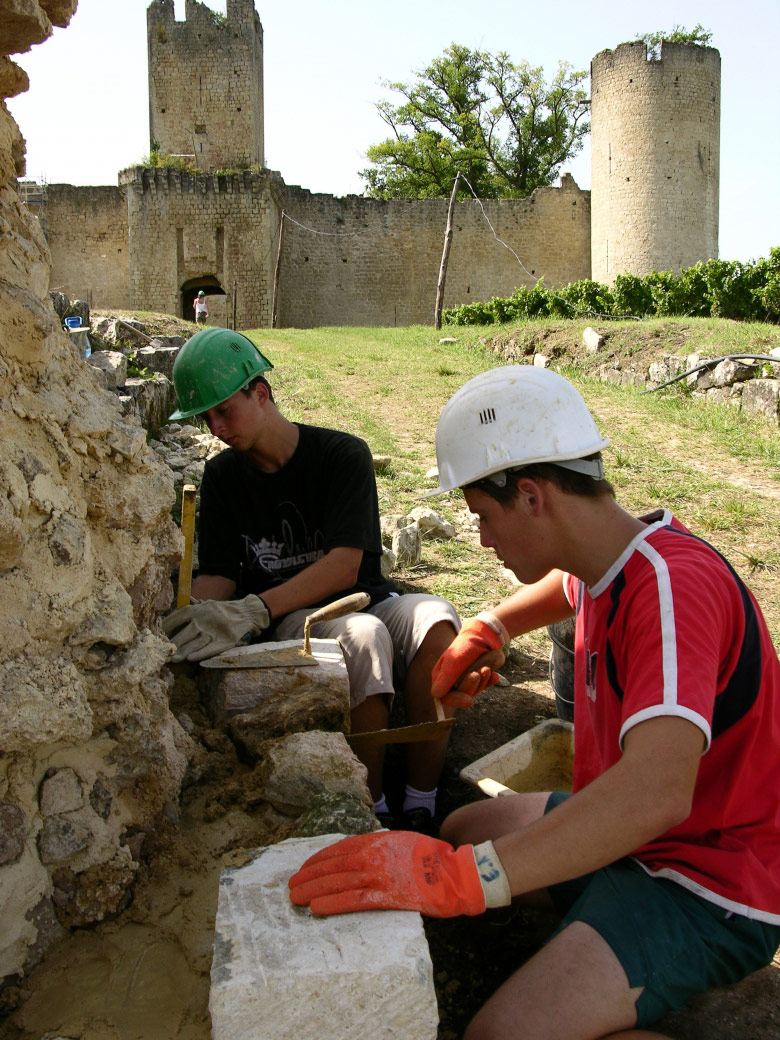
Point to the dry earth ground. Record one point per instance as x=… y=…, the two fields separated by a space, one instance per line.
x=145 y=976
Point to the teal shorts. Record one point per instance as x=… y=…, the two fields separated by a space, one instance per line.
x=670 y=941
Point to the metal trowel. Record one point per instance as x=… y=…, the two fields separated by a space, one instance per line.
x=289 y=654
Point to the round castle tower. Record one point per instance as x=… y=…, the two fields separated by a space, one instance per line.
x=655 y=159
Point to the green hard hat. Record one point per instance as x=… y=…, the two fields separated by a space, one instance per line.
x=213 y=365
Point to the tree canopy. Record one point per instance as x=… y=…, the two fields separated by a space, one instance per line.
x=499 y=124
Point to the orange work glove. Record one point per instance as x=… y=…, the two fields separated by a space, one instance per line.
x=401 y=870
x=478 y=636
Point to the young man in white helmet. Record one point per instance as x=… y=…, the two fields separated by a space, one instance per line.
x=665 y=861
x=289 y=521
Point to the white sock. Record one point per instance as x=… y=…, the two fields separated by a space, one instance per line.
x=414 y=799
x=381 y=805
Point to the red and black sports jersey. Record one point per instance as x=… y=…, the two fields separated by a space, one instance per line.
x=671 y=629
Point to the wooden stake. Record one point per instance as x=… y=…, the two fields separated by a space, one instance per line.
x=274 y=299
x=188 y=530
x=445 y=256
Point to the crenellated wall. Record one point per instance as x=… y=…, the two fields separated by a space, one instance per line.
x=210 y=230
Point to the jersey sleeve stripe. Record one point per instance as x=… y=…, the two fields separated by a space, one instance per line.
x=661 y=711
x=666 y=617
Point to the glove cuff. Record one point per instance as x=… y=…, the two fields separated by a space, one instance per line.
x=258 y=612
x=496 y=625
x=492 y=876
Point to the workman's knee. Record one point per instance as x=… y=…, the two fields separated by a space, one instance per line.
x=365 y=632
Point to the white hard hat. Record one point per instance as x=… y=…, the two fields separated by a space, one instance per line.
x=511 y=417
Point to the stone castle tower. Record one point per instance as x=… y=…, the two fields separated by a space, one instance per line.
x=655 y=159
x=206 y=83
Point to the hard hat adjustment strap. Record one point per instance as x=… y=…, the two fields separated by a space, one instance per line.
x=590 y=467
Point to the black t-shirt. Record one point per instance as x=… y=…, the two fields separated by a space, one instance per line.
x=260 y=529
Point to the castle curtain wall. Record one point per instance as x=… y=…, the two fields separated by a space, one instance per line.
x=86 y=231
x=360 y=261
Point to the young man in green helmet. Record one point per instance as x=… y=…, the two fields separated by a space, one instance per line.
x=289 y=520
x=664 y=862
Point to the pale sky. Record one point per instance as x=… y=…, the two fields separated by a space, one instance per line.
x=86 y=116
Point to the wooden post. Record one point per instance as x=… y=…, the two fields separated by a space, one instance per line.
x=274 y=297
x=445 y=256
x=188 y=530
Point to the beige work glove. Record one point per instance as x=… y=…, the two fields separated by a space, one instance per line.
x=205 y=629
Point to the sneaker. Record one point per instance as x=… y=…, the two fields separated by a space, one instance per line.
x=386 y=819
x=421 y=821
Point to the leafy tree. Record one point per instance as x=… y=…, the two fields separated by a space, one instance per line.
x=698 y=36
x=498 y=123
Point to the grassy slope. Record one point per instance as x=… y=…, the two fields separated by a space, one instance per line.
x=719 y=470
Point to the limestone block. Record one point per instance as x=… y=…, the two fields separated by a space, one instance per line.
x=762 y=397
x=389 y=524
x=150 y=400
x=407 y=545
x=431 y=524
x=732 y=371
x=336 y=814
x=60 y=793
x=296 y=769
x=670 y=366
x=231 y=691
x=158 y=357
x=592 y=340
x=279 y=973
x=112 y=363
x=388 y=562
x=12 y=833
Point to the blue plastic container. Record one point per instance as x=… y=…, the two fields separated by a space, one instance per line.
x=73 y=323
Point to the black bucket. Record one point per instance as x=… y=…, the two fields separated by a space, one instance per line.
x=562 y=667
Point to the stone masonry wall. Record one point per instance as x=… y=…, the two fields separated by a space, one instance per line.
x=206 y=83
x=203 y=229
x=86 y=230
x=369 y=262
x=91 y=757
x=655 y=159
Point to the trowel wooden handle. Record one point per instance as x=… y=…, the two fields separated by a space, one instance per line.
x=339 y=607
x=188 y=530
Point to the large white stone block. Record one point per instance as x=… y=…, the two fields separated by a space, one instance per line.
x=280 y=973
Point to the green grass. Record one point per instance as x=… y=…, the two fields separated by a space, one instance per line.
x=708 y=463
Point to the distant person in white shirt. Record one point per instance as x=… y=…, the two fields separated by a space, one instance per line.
x=201 y=308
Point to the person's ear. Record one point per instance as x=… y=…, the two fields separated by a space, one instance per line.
x=530 y=495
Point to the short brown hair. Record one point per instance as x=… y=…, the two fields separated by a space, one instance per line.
x=568 y=480
x=250 y=387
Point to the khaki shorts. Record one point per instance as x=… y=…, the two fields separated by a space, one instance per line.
x=380 y=643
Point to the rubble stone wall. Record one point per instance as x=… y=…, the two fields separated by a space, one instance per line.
x=91 y=758
x=86 y=230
